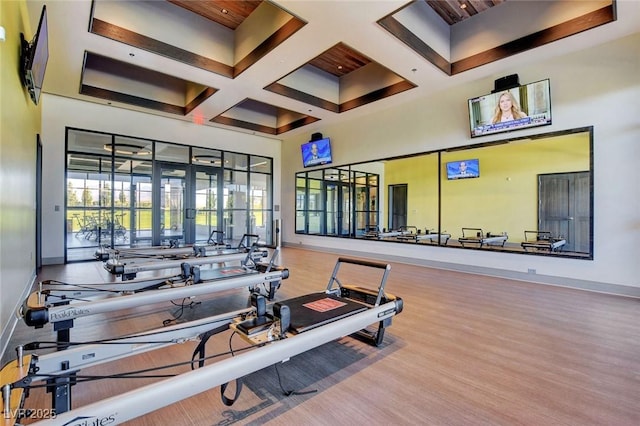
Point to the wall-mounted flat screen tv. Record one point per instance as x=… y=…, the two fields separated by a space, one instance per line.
x=463 y=169
x=35 y=55
x=315 y=153
x=518 y=108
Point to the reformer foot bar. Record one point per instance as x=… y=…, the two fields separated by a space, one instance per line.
x=295 y=326
x=171 y=251
x=129 y=268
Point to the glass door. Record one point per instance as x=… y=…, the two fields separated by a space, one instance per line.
x=338 y=208
x=170 y=212
x=189 y=207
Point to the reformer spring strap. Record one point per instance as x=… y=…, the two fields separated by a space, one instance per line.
x=204 y=337
x=229 y=401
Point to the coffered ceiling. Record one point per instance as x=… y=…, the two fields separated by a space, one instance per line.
x=282 y=67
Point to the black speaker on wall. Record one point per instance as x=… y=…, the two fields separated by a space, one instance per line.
x=506 y=82
x=316 y=136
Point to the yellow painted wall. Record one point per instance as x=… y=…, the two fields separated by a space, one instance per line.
x=19 y=126
x=504 y=197
x=421 y=176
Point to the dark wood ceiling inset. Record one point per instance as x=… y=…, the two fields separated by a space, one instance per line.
x=340 y=60
x=454 y=11
x=230 y=13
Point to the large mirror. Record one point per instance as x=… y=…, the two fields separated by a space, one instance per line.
x=527 y=195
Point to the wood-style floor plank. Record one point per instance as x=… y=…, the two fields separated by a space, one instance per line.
x=466 y=350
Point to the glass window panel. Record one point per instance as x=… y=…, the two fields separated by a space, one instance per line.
x=141 y=213
x=260 y=191
x=172 y=153
x=235 y=226
x=207 y=207
x=206 y=157
x=235 y=187
x=301 y=222
x=260 y=164
x=133 y=148
x=316 y=174
x=88 y=142
x=261 y=225
x=315 y=220
x=235 y=205
x=301 y=194
x=236 y=161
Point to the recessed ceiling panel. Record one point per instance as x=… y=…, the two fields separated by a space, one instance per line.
x=198 y=33
x=339 y=79
x=230 y=13
x=254 y=115
x=119 y=81
x=498 y=32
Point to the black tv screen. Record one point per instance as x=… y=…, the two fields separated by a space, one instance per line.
x=522 y=107
x=35 y=55
x=463 y=169
x=315 y=153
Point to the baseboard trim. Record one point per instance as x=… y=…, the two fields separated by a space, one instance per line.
x=53 y=261
x=9 y=328
x=594 y=286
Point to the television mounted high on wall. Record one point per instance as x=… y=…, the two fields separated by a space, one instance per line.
x=34 y=58
x=521 y=107
x=463 y=169
x=316 y=152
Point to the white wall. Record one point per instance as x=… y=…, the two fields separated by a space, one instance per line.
x=59 y=113
x=597 y=87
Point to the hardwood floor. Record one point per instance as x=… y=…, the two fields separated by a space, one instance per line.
x=466 y=350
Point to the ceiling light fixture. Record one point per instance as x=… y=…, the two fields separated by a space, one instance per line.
x=127 y=149
x=463 y=6
x=225 y=11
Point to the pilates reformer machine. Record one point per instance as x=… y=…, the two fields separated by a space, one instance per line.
x=542 y=241
x=128 y=268
x=53 y=292
x=173 y=250
x=392 y=233
x=269 y=335
x=476 y=237
x=62 y=303
x=430 y=236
